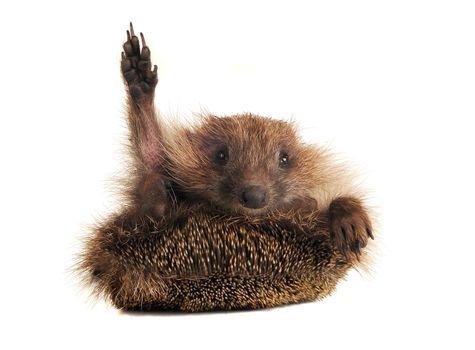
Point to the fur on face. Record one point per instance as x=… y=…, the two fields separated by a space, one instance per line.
x=220 y=158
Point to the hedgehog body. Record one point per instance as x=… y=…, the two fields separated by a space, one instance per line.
x=201 y=262
x=232 y=213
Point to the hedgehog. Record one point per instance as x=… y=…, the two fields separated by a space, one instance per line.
x=232 y=212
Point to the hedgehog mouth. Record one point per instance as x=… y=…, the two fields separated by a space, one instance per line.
x=240 y=209
x=255 y=212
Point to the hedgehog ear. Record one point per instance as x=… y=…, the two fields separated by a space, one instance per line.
x=189 y=135
x=192 y=137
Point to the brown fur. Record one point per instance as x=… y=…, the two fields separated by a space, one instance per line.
x=254 y=145
x=185 y=239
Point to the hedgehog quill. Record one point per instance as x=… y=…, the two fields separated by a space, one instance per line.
x=234 y=212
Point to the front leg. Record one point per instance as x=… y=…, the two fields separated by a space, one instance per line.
x=350 y=225
x=149 y=191
x=140 y=81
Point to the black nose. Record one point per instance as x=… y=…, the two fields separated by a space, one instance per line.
x=254 y=197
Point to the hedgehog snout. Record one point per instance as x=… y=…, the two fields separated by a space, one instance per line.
x=254 y=197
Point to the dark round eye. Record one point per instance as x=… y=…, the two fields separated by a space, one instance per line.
x=222 y=155
x=283 y=159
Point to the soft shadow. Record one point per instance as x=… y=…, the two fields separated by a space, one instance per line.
x=180 y=313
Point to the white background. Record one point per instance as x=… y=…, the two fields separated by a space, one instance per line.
x=389 y=85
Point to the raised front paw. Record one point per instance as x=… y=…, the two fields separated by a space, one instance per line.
x=350 y=226
x=136 y=68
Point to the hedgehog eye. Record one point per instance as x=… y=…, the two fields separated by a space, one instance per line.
x=222 y=155
x=283 y=159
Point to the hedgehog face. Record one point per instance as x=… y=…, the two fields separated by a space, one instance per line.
x=245 y=164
